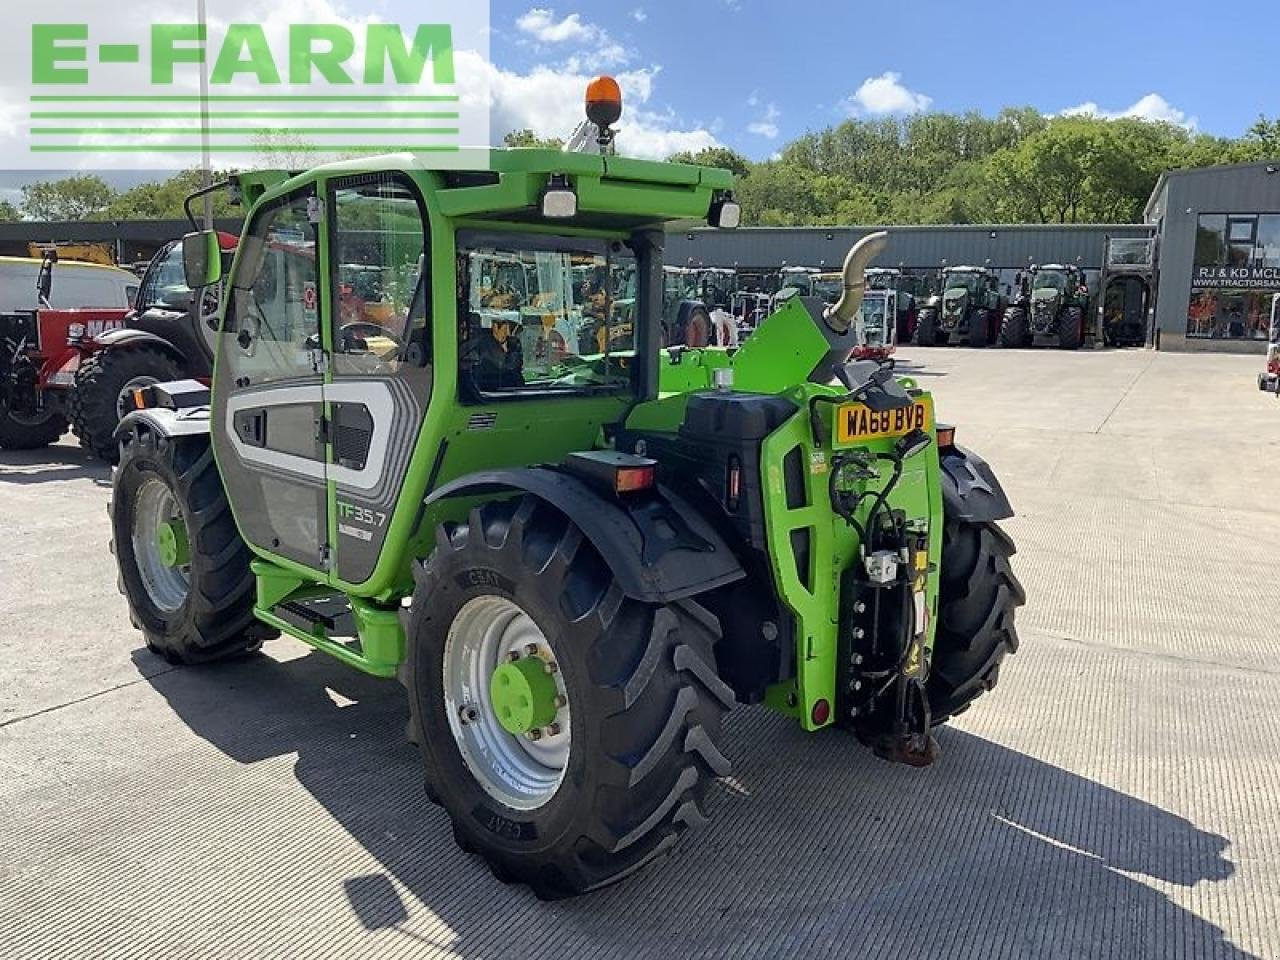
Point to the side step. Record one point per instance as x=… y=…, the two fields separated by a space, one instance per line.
x=357 y=631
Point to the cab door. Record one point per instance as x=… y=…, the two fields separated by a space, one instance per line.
x=269 y=392
x=380 y=378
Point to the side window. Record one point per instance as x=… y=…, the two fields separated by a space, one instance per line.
x=544 y=314
x=380 y=276
x=165 y=283
x=272 y=328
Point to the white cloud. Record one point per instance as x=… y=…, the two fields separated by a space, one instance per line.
x=639 y=15
x=885 y=94
x=766 y=126
x=593 y=48
x=1151 y=107
x=541 y=24
x=548 y=101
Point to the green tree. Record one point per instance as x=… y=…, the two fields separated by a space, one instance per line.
x=164 y=200
x=527 y=138
x=9 y=213
x=83 y=197
x=721 y=157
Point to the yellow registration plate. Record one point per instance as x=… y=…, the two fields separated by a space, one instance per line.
x=856 y=423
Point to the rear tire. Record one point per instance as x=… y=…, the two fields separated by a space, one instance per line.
x=19 y=432
x=1070 y=328
x=979 y=328
x=1014 y=331
x=643 y=714
x=976 y=608
x=189 y=613
x=95 y=403
x=927 y=328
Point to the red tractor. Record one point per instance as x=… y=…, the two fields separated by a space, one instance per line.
x=82 y=366
x=40 y=351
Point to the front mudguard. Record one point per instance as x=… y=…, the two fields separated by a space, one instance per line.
x=164 y=422
x=970 y=490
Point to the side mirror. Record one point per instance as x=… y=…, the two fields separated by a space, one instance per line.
x=201 y=259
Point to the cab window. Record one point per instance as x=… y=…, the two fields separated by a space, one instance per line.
x=379 y=275
x=165 y=284
x=544 y=315
x=272 y=327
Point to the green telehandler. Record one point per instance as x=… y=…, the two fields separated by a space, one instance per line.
x=576 y=564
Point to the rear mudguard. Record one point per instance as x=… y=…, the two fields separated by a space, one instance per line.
x=128 y=336
x=658 y=546
x=970 y=490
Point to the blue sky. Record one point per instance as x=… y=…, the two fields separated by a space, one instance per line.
x=752 y=74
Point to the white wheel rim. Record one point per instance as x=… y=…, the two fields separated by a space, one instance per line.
x=520 y=773
x=167 y=586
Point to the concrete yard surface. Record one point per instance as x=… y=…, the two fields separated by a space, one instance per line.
x=1117 y=795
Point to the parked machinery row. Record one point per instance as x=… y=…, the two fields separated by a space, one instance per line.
x=1046 y=306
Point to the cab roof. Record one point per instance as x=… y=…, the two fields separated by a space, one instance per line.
x=613 y=192
x=64 y=264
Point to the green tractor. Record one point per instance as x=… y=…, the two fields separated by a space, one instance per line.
x=1050 y=310
x=968 y=311
x=575 y=564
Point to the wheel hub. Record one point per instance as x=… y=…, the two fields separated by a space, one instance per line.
x=171 y=543
x=524 y=695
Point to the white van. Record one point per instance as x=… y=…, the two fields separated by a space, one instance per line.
x=75 y=285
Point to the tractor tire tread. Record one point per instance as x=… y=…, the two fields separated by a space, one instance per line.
x=647 y=670
x=978 y=600
x=216 y=621
x=93 y=403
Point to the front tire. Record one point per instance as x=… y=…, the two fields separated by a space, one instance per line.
x=1071 y=328
x=103 y=384
x=21 y=432
x=1014 y=331
x=976 y=631
x=927 y=328
x=189 y=587
x=641 y=717
x=979 y=328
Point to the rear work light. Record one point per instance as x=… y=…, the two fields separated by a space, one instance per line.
x=617 y=472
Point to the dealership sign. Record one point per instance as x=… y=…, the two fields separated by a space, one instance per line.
x=1236 y=278
x=233 y=87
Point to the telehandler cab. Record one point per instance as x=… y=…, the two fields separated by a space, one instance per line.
x=575 y=565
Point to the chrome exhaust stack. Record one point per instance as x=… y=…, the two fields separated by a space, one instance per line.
x=840 y=314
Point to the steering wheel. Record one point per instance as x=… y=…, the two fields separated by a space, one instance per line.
x=362 y=330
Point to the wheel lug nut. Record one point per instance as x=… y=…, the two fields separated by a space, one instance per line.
x=468 y=714
x=553 y=730
x=561 y=701
x=530 y=649
x=513 y=656
x=534 y=735
x=552 y=667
